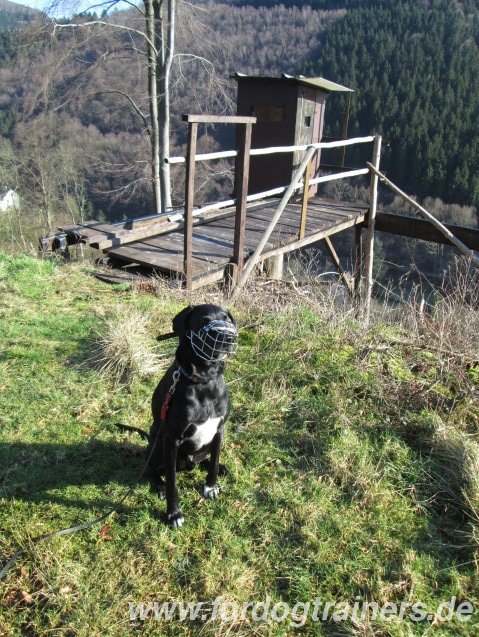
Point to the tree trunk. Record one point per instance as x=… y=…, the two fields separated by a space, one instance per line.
x=152 y=25
x=163 y=89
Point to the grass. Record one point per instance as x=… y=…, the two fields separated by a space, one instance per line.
x=353 y=458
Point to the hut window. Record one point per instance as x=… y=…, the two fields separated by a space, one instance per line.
x=307 y=121
x=268 y=113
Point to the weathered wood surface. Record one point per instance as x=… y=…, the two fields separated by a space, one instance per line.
x=424 y=230
x=213 y=240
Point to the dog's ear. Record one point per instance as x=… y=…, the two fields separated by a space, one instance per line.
x=180 y=322
x=231 y=318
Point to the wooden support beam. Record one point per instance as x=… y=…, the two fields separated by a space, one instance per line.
x=431 y=218
x=218 y=119
x=241 y=192
x=189 y=197
x=344 y=276
x=372 y=220
x=424 y=230
x=255 y=257
x=274 y=267
x=358 y=263
x=347 y=106
x=304 y=203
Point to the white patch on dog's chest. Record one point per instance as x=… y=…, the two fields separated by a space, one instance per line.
x=205 y=432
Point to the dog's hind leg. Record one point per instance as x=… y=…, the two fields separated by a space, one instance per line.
x=157 y=483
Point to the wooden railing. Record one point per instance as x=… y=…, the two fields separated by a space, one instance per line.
x=242 y=156
x=241 y=186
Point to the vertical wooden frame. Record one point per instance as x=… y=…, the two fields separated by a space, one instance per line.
x=241 y=192
x=304 y=203
x=371 y=227
x=358 y=263
x=189 y=198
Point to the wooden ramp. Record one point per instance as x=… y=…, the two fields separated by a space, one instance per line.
x=213 y=237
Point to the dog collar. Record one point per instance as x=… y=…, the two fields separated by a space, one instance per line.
x=194 y=378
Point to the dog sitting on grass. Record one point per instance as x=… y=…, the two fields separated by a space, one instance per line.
x=191 y=404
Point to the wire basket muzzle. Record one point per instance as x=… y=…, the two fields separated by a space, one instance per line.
x=214 y=341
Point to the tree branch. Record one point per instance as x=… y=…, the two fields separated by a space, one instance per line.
x=135 y=106
x=105 y=24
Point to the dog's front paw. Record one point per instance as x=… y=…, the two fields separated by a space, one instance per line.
x=211 y=492
x=175 y=520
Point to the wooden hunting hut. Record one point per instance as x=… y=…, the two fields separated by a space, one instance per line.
x=290 y=112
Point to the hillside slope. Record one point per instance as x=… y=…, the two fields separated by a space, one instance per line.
x=353 y=459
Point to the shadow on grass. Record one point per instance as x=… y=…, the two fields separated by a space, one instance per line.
x=44 y=472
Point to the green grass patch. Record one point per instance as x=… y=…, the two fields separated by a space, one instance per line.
x=351 y=460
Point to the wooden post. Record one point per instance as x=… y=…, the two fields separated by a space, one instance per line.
x=343 y=275
x=241 y=192
x=347 y=106
x=304 y=205
x=273 y=266
x=371 y=224
x=254 y=258
x=189 y=196
x=358 y=257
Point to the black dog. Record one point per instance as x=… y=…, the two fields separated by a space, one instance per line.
x=191 y=403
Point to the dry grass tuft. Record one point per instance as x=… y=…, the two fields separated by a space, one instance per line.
x=125 y=347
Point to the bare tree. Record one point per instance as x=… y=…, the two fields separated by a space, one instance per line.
x=159 y=39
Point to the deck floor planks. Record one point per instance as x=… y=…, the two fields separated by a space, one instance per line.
x=290 y=220
x=150 y=256
x=202 y=248
x=213 y=240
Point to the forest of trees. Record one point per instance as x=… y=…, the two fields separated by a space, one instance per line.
x=415 y=69
x=71 y=142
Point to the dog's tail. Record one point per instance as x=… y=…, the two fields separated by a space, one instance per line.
x=136 y=430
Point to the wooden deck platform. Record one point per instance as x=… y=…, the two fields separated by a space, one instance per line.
x=213 y=236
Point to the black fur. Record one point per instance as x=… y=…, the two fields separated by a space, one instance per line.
x=200 y=394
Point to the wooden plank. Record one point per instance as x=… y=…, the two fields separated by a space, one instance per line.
x=333 y=203
x=212 y=276
x=201 y=248
x=289 y=224
x=163 y=261
x=129 y=236
x=422 y=229
x=328 y=212
x=218 y=119
x=338 y=213
x=226 y=233
x=316 y=216
x=310 y=239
